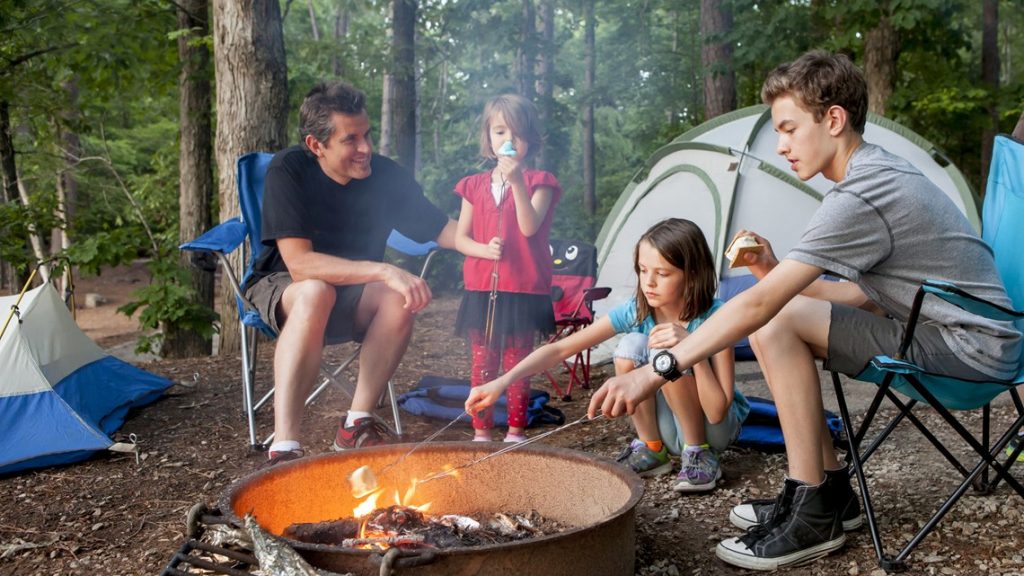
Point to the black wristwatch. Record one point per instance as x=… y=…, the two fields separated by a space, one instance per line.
x=664 y=364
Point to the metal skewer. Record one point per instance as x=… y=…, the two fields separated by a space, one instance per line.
x=422 y=442
x=517 y=445
x=492 y=300
x=506 y=150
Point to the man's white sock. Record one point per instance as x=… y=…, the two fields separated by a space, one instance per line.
x=285 y=446
x=354 y=415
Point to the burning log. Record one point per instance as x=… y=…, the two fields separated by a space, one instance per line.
x=323 y=532
x=402 y=540
x=400 y=526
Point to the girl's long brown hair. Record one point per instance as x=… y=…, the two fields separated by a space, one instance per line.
x=682 y=244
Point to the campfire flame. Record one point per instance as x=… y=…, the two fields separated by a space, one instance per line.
x=372 y=502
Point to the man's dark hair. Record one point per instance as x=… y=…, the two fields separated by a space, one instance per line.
x=324 y=100
x=819 y=80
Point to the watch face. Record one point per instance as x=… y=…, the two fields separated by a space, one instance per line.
x=662 y=362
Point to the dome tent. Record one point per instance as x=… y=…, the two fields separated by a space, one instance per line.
x=61 y=396
x=725 y=176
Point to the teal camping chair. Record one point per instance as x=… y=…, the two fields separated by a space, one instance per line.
x=1002 y=215
x=225 y=238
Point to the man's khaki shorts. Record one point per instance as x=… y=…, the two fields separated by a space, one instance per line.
x=266 y=294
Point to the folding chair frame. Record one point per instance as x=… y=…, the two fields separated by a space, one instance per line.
x=976 y=477
x=579 y=371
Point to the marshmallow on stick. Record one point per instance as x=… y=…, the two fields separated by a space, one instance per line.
x=740 y=246
x=363 y=481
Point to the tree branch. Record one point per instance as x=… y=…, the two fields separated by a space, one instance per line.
x=11 y=64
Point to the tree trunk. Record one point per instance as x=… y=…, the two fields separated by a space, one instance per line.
x=312 y=20
x=716 y=58
x=9 y=179
x=67 y=183
x=8 y=165
x=545 y=79
x=341 y=20
x=881 y=49
x=990 y=78
x=386 y=101
x=589 y=70
x=527 y=52
x=252 y=110
x=195 y=164
x=403 y=82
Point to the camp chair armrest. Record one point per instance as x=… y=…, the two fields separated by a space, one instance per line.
x=884 y=363
x=224 y=238
x=596 y=293
x=958 y=297
x=955 y=295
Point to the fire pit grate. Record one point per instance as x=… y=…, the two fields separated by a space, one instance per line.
x=206 y=554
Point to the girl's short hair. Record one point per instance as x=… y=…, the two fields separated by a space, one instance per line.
x=682 y=244
x=819 y=80
x=521 y=116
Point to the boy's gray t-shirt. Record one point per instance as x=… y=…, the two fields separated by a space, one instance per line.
x=887 y=228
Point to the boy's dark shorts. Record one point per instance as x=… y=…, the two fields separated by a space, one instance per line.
x=856 y=336
x=266 y=294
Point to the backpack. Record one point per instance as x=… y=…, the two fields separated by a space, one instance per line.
x=761 y=430
x=444 y=399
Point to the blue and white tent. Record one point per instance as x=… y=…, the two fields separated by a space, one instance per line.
x=61 y=396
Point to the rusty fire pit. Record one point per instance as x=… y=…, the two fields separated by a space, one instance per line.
x=593 y=495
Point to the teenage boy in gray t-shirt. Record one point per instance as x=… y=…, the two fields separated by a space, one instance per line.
x=884 y=227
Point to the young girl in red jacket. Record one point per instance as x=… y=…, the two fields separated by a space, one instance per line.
x=504 y=228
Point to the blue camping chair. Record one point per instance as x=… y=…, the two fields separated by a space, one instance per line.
x=226 y=237
x=1002 y=214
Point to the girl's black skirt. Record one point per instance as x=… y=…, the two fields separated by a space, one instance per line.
x=514 y=314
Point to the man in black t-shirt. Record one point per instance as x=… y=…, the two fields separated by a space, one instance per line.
x=328 y=208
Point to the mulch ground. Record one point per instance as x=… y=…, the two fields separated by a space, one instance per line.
x=118 y=514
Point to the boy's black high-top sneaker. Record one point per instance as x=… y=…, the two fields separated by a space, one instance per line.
x=805 y=525
x=753 y=512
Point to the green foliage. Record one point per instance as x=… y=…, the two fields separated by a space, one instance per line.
x=169 y=299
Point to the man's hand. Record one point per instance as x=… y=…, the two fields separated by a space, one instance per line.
x=666 y=335
x=494 y=249
x=621 y=394
x=483 y=397
x=413 y=288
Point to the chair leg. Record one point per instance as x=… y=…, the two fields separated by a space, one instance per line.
x=248 y=374
x=884 y=561
x=394 y=409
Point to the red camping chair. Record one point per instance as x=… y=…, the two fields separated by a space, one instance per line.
x=572 y=296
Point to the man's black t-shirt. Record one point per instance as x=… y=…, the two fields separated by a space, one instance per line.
x=351 y=221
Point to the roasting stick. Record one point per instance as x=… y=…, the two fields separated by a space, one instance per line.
x=515 y=446
x=363 y=481
x=492 y=301
x=422 y=442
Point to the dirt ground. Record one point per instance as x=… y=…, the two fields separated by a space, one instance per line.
x=117 y=514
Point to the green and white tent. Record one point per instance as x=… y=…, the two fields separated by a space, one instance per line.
x=725 y=176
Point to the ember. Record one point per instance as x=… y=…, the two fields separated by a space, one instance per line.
x=405 y=527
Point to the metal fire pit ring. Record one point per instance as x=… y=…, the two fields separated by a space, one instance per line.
x=593 y=494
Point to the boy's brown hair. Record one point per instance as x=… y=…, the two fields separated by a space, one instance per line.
x=521 y=117
x=819 y=80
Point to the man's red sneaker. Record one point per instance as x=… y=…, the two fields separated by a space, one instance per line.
x=367 y=431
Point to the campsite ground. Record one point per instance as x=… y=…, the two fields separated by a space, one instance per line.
x=116 y=514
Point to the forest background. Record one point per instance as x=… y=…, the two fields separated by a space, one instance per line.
x=121 y=120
